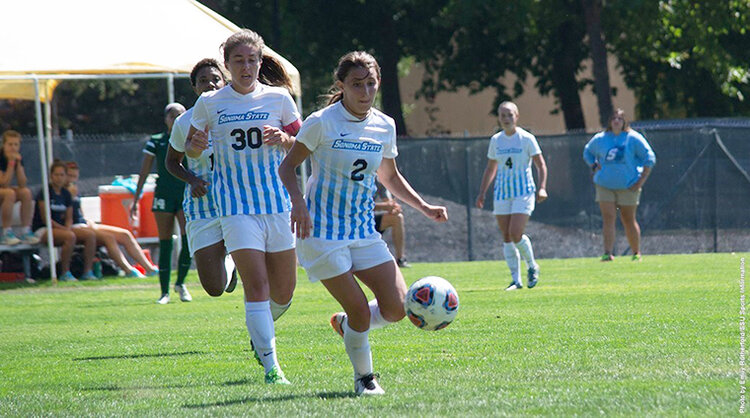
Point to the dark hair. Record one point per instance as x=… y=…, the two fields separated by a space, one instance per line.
x=350 y=61
x=621 y=113
x=205 y=62
x=273 y=73
x=57 y=164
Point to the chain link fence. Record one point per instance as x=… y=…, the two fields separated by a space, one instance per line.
x=697 y=198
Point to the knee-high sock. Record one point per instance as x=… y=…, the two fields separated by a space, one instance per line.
x=358 y=348
x=165 y=264
x=376 y=317
x=183 y=261
x=513 y=260
x=278 y=310
x=527 y=251
x=260 y=327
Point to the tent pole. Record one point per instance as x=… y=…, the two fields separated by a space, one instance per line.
x=45 y=182
x=170 y=88
x=48 y=129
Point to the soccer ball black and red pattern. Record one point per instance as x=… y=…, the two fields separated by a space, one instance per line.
x=431 y=303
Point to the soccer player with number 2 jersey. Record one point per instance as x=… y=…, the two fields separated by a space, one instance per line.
x=510 y=155
x=351 y=142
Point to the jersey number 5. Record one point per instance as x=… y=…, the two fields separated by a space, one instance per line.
x=253 y=138
x=359 y=165
x=509 y=163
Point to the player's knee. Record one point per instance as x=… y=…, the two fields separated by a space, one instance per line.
x=213 y=290
x=359 y=316
x=24 y=193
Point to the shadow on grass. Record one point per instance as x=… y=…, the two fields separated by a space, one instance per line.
x=290 y=397
x=126 y=356
x=116 y=388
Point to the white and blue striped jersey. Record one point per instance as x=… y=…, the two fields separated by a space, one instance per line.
x=245 y=177
x=513 y=154
x=346 y=154
x=194 y=207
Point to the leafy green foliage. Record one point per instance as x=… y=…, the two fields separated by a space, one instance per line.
x=658 y=337
x=683 y=58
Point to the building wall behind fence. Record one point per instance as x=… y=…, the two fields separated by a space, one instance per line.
x=695 y=200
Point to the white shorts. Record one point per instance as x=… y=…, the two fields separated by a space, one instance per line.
x=267 y=233
x=522 y=204
x=203 y=233
x=324 y=259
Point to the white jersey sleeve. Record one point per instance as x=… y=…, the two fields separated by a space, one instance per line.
x=390 y=150
x=180 y=129
x=289 y=112
x=491 y=153
x=200 y=117
x=532 y=146
x=311 y=132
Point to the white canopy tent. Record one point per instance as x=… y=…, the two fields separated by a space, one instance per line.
x=43 y=42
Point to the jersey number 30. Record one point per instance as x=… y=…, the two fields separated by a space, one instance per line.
x=359 y=165
x=253 y=138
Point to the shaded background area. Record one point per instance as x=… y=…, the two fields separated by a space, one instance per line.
x=697 y=198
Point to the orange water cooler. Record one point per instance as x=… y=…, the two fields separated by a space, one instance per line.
x=115 y=203
x=147 y=224
x=115 y=209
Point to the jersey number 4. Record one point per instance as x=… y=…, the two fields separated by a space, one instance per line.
x=359 y=165
x=509 y=163
x=253 y=138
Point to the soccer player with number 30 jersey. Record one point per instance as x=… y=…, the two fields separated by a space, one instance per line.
x=250 y=125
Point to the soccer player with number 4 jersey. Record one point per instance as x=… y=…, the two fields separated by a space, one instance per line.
x=350 y=143
x=251 y=126
x=510 y=155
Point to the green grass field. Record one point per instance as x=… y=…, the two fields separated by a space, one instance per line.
x=659 y=337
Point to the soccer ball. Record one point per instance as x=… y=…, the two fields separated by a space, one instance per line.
x=431 y=303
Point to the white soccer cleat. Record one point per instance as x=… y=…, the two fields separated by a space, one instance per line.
x=231 y=270
x=181 y=289
x=514 y=286
x=164 y=299
x=367 y=386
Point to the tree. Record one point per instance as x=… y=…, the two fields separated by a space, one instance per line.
x=683 y=58
x=592 y=11
x=491 y=40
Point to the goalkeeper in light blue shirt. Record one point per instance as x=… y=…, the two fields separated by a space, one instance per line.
x=621 y=159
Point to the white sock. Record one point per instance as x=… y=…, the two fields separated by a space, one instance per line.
x=6 y=230
x=260 y=327
x=278 y=310
x=376 y=318
x=514 y=261
x=527 y=251
x=229 y=268
x=358 y=348
x=26 y=230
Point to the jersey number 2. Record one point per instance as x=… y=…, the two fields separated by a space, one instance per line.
x=253 y=139
x=359 y=165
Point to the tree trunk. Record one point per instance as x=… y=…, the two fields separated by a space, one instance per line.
x=592 y=12
x=563 y=75
x=389 y=88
